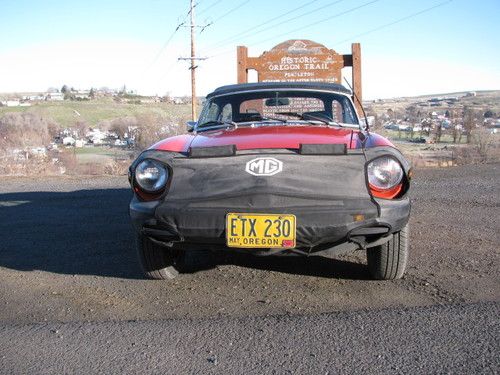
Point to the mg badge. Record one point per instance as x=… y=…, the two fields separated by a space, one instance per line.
x=264 y=166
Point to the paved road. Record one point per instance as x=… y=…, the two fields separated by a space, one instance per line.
x=67 y=256
x=453 y=339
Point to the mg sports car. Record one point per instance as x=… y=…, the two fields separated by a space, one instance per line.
x=272 y=169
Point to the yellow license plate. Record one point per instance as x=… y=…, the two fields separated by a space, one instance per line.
x=260 y=230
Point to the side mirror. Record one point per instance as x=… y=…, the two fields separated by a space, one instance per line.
x=191 y=125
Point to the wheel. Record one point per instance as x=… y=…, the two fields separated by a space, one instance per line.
x=388 y=261
x=157 y=262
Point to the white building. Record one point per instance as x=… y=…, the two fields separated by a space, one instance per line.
x=11 y=102
x=54 y=96
x=68 y=141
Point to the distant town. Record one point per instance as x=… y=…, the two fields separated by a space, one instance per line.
x=122 y=95
x=61 y=128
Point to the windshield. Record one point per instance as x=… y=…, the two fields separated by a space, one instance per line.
x=282 y=106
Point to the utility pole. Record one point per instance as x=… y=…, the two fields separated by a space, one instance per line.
x=193 y=59
x=193 y=67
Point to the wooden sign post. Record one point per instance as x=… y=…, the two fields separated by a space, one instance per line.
x=301 y=61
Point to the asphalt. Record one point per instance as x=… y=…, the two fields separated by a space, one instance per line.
x=453 y=339
x=73 y=299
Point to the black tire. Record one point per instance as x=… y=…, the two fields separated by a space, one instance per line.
x=388 y=261
x=157 y=262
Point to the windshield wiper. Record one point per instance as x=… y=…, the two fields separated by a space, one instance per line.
x=283 y=120
x=327 y=120
x=214 y=124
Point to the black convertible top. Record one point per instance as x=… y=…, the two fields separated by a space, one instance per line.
x=279 y=85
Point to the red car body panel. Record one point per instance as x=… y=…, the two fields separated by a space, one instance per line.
x=288 y=136
x=179 y=143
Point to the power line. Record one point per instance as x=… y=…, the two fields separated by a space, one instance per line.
x=232 y=10
x=308 y=25
x=181 y=23
x=164 y=47
x=298 y=16
x=323 y=20
x=252 y=29
x=412 y=15
x=210 y=7
x=395 y=22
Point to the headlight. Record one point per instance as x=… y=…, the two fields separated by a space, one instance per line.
x=384 y=173
x=151 y=176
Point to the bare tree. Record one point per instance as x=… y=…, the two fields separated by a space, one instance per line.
x=123 y=125
x=81 y=128
x=413 y=116
x=439 y=132
x=470 y=121
x=21 y=130
x=483 y=141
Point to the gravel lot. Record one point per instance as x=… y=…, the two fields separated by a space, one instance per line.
x=67 y=255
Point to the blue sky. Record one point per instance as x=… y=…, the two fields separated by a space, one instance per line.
x=452 y=47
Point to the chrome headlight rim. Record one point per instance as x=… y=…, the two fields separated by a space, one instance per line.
x=145 y=170
x=385 y=167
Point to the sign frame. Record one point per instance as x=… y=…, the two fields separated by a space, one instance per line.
x=302 y=60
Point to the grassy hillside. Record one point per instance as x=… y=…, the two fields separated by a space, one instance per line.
x=484 y=100
x=92 y=112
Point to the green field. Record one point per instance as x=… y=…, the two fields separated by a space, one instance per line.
x=67 y=113
x=100 y=154
x=403 y=136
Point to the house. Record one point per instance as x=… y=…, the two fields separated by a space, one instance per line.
x=96 y=136
x=11 y=102
x=82 y=94
x=68 y=141
x=54 y=96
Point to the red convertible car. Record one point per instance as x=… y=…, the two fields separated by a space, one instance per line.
x=276 y=168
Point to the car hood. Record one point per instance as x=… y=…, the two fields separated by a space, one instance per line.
x=288 y=136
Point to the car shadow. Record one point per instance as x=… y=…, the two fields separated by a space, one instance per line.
x=317 y=266
x=85 y=232
x=88 y=232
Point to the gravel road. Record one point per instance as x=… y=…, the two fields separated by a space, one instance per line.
x=67 y=263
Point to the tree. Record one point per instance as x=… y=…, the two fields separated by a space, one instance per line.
x=81 y=128
x=64 y=89
x=455 y=129
x=21 y=130
x=413 y=117
x=92 y=93
x=439 y=132
x=470 y=120
x=483 y=141
x=123 y=125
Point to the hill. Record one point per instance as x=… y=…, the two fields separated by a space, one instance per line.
x=67 y=113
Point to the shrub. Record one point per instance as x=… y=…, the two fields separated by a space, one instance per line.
x=21 y=130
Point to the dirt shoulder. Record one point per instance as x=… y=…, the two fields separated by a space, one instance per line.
x=68 y=255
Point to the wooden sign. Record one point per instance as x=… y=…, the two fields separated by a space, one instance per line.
x=301 y=61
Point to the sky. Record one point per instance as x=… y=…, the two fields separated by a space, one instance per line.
x=408 y=47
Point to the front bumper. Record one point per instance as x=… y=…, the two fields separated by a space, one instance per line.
x=331 y=228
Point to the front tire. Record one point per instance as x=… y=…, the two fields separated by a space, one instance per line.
x=157 y=262
x=388 y=261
